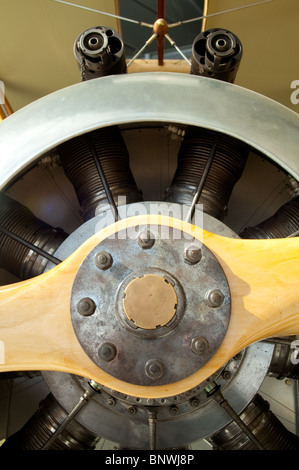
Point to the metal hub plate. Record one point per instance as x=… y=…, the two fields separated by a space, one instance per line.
x=141 y=350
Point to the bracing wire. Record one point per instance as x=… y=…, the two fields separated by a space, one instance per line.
x=210 y=15
x=141 y=23
x=179 y=23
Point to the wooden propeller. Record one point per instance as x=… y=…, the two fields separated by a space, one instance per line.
x=36 y=331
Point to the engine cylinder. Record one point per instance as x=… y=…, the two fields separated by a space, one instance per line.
x=271 y=433
x=43 y=424
x=16 y=257
x=17 y=375
x=80 y=168
x=282 y=364
x=227 y=167
x=284 y=223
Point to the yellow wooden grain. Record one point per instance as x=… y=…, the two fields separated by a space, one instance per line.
x=36 y=331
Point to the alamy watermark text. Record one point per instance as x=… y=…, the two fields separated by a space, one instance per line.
x=2 y=92
x=295 y=93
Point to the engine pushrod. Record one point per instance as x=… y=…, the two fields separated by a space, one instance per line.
x=29 y=245
x=202 y=180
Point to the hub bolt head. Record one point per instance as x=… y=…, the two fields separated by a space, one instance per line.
x=214 y=298
x=154 y=369
x=103 y=260
x=107 y=352
x=192 y=255
x=146 y=240
x=86 y=307
x=199 y=345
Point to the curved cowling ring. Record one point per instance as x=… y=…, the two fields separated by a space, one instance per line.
x=267 y=126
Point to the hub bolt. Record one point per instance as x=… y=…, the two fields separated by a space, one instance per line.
x=199 y=345
x=86 y=307
x=214 y=298
x=103 y=260
x=154 y=369
x=146 y=240
x=192 y=255
x=107 y=352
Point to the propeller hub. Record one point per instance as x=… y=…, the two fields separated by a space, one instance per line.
x=152 y=321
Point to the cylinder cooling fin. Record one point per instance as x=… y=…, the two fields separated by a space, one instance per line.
x=284 y=223
x=226 y=169
x=16 y=257
x=284 y=364
x=79 y=158
x=99 y=163
x=42 y=426
x=264 y=424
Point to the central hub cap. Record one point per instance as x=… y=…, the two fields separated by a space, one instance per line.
x=150 y=302
x=150 y=307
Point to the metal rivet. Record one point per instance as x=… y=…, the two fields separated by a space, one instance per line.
x=132 y=410
x=173 y=410
x=111 y=401
x=226 y=374
x=199 y=345
x=194 y=402
x=192 y=255
x=150 y=401
x=146 y=240
x=214 y=298
x=154 y=369
x=103 y=260
x=107 y=351
x=86 y=307
x=237 y=357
